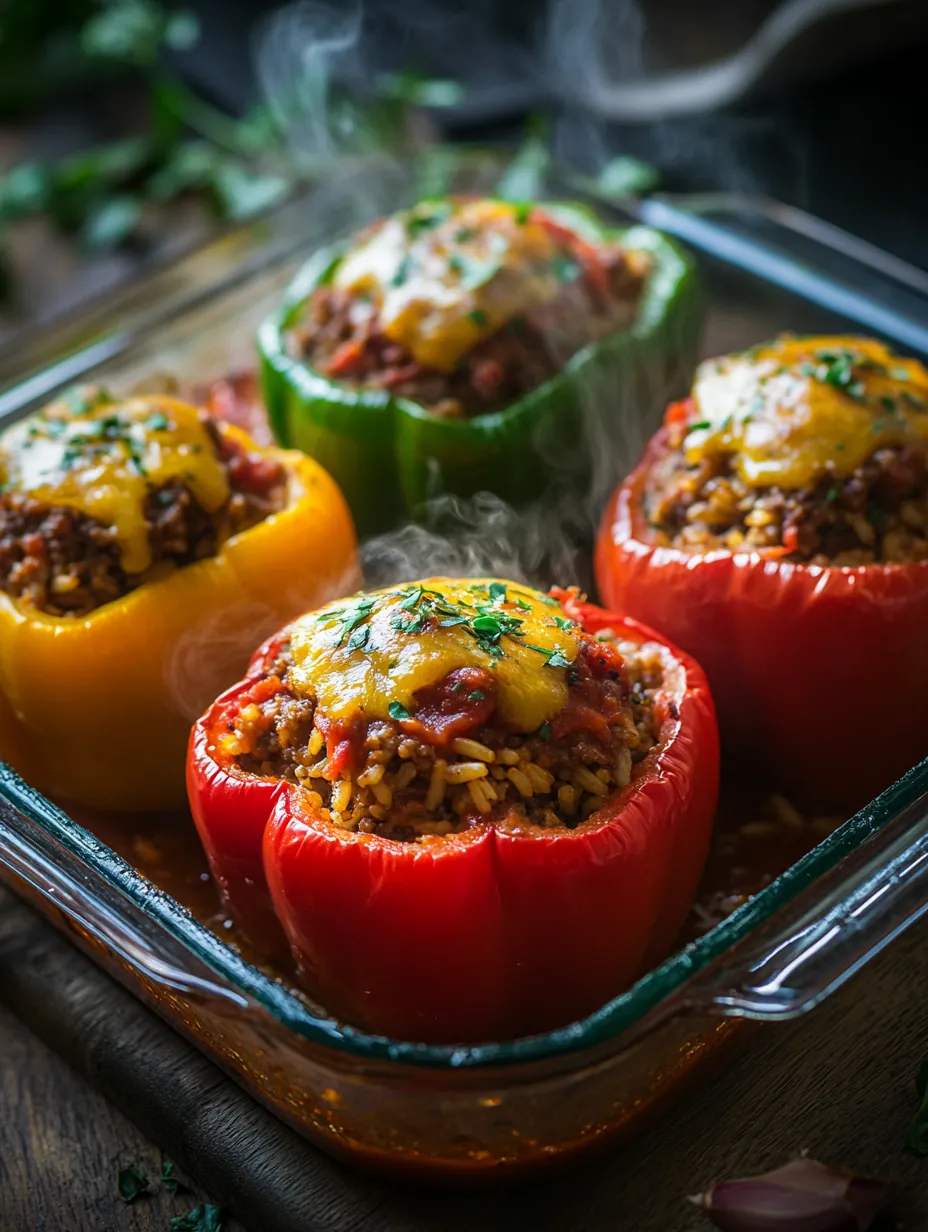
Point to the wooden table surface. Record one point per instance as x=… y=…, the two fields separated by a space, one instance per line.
x=838 y=1083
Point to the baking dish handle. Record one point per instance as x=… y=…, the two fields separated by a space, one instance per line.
x=818 y=940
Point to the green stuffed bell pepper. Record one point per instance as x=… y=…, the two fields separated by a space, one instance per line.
x=477 y=345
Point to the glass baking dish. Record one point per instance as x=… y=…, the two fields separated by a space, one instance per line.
x=495 y=1108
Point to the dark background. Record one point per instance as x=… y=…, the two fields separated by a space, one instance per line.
x=847 y=143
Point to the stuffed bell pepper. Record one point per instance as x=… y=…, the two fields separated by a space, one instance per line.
x=473 y=810
x=468 y=345
x=144 y=548
x=777 y=529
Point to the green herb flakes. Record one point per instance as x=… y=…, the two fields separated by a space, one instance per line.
x=359 y=638
x=205 y=1218
x=397 y=711
x=544 y=732
x=478 y=317
x=497 y=592
x=131 y=1183
x=168 y=1180
x=563 y=623
x=558 y=659
x=565 y=270
x=403 y=270
x=476 y=695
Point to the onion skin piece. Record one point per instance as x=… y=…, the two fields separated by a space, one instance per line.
x=802 y=1196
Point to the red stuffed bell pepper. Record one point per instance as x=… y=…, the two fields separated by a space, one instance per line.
x=484 y=811
x=777 y=530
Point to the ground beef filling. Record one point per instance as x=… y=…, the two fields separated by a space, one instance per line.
x=341 y=337
x=404 y=788
x=877 y=515
x=66 y=564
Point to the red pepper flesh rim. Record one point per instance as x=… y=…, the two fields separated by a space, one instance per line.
x=819 y=674
x=486 y=934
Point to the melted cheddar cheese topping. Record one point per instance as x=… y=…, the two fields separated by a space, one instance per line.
x=103 y=459
x=797 y=408
x=444 y=275
x=367 y=656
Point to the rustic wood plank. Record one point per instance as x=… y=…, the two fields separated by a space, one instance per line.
x=62 y=1145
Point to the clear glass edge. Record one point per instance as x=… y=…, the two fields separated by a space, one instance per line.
x=605 y=1024
x=667 y=982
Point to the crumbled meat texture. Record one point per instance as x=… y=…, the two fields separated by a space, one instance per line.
x=65 y=563
x=527 y=351
x=878 y=514
x=405 y=789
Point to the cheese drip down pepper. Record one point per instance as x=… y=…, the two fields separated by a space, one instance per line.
x=96 y=706
x=819 y=669
x=505 y=921
x=438 y=283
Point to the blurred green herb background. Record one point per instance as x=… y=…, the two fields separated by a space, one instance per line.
x=182 y=144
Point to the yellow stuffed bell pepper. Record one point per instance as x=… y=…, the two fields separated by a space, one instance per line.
x=145 y=550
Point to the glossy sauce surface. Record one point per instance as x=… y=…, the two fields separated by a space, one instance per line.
x=358 y=657
x=442 y=278
x=797 y=408
x=103 y=459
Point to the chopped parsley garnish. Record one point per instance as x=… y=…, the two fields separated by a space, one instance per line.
x=349 y=618
x=565 y=270
x=497 y=592
x=131 y=1183
x=700 y=426
x=558 y=659
x=563 y=623
x=425 y=218
x=544 y=732
x=889 y=404
x=488 y=625
x=478 y=317
x=473 y=273
x=397 y=711
x=205 y=1218
x=832 y=495
x=82 y=399
x=158 y=422
x=411 y=598
x=522 y=211
x=555 y=657
x=476 y=695
x=836 y=368
x=403 y=270
x=358 y=639
x=168 y=1180
x=551 y=602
